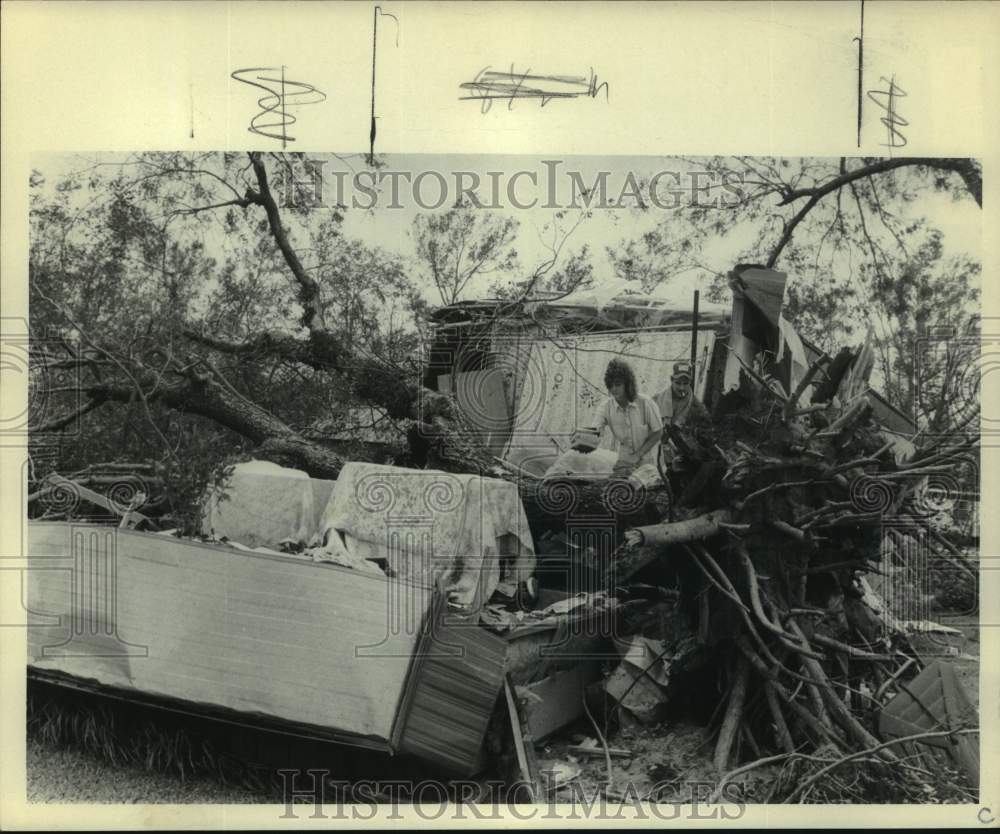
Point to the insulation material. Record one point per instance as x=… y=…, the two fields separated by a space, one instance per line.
x=428 y=526
x=564 y=384
x=597 y=465
x=533 y=461
x=262 y=504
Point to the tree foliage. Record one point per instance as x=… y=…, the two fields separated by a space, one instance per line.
x=161 y=291
x=462 y=244
x=858 y=250
x=180 y=314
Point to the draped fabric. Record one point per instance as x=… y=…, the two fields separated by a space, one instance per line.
x=427 y=526
x=262 y=504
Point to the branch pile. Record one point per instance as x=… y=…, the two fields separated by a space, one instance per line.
x=780 y=511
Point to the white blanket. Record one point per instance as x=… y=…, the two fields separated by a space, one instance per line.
x=430 y=526
x=263 y=504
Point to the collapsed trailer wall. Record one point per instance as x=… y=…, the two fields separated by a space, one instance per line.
x=262 y=634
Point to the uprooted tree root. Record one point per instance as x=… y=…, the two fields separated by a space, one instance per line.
x=788 y=513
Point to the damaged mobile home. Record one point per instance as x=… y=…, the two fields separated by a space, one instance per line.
x=402 y=610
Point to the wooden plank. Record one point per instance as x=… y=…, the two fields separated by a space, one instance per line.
x=483 y=399
x=128 y=517
x=934 y=701
x=452 y=692
x=526 y=761
x=257 y=633
x=599 y=752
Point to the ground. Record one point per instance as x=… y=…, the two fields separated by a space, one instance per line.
x=72 y=774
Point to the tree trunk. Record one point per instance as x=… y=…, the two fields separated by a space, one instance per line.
x=681 y=532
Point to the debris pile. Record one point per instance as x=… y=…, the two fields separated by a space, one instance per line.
x=729 y=582
x=775 y=517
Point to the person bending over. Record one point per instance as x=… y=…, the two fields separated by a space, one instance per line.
x=633 y=419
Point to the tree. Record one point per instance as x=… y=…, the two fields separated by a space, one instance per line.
x=851 y=237
x=162 y=290
x=463 y=243
x=195 y=317
x=575 y=272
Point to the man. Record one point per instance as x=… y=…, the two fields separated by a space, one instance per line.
x=677 y=402
x=679 y=406
x=633 y=419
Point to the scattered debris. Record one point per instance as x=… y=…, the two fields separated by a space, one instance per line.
x=712 y=621
x=935 y=701
x=592 y=750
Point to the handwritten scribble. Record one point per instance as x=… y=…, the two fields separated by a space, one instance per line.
x=274 y=119
x=886 y=99
x=490 y=85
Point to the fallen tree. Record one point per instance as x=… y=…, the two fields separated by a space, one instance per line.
x=789 y=517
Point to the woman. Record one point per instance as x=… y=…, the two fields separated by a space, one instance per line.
x=633 y=418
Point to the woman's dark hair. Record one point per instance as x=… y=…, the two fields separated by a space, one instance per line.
x=620 y=371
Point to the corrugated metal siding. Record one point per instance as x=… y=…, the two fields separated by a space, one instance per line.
x=456 y=680
x=255 y=633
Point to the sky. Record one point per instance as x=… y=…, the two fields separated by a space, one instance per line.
x=391 y=227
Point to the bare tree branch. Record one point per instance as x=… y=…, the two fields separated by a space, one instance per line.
x=966 y=168
x=309 y=290
x=59 y=423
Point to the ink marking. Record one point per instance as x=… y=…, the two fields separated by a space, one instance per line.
x=371 y=133
x=489 y=85
x=886 y=99
x=274 y=119
x=860 y=40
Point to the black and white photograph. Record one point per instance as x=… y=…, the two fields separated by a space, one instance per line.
x=459 y=488
x=611 y=478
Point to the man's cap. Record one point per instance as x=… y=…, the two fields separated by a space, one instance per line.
x=681 y=369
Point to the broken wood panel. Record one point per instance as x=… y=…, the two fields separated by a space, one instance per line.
x=256 y=633
x=457 y=674
x=558 y=699
x=934 y=701
x=483 y=399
